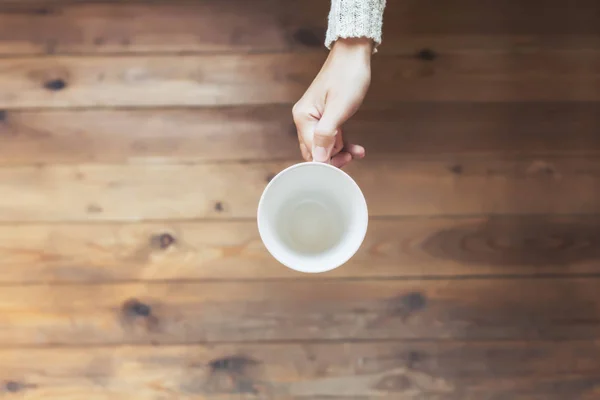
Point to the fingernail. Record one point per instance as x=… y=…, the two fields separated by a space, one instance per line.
x=320 y=154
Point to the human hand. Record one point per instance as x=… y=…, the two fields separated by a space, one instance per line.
x=333 y=97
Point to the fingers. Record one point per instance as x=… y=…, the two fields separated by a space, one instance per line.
x=323 y=143
x=305 y=153
x=339 y=143
x=355 y=150
x=305 y=124
x=337 y=111
x=309 y=139
x=321 y=139
x=341 y=155
x=349 y=152
x=340 y=160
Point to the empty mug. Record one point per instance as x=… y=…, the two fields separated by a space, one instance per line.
x=312 y=217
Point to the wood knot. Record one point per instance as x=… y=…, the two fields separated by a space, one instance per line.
x=306 y=37
x=219 y=207
x=233 y=375
x=231 y=364
x=55 y=85
x=134 y=307
x=414 y=301
x=42 y=11
x=12 y=386
x=162 y=241
x=403 y=307
x=426 y=55
x=413 y=358
x=94 y=209
x=456 y=169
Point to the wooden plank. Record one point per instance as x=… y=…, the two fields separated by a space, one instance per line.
x=393 y=187
x=493 y=17
x=185 y=312
x=58 y=82
x=413 y=247
x=148 y=136
x=270 y=25
x=203 y=26
x=267 y=132
x=440 y=371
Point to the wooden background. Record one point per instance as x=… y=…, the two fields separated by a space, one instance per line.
x=136 y=137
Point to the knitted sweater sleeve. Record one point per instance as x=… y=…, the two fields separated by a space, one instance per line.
x=355 y=18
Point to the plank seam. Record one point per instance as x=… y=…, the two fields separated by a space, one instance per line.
x=253 y=219
x=362 y=279
x=271 y=342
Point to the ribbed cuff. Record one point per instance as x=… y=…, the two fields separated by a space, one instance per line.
x=355 y=19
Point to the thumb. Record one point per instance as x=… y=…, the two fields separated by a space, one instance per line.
x=325 y=133
x=323 y=142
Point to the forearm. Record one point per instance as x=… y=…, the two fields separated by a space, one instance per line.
x=355 y=19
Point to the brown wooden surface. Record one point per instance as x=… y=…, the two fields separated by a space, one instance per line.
x=58 y=27
x=432 y=370
x=237 y=311
x=266 y=132
x=167 y=26
x=197 y=80
x=136 y=137
x=447 y=186
x=407 y=247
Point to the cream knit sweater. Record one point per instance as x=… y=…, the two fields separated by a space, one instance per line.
x=355 y=18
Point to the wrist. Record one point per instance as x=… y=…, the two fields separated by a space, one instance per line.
x=357 y=46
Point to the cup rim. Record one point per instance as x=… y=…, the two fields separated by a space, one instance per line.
x=364 y=226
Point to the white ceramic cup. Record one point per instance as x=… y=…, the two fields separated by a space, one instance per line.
x=312 y=217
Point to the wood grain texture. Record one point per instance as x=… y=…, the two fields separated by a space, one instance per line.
x=437 y=371
x=267 y=132
x=55 y=27
x=409 y=247
x=199 y=80
x=492 y=17
x=167 y=26
x=393 y=187
x=154 y=80
x=148 y=136
x=136 y=137
x=187 y=313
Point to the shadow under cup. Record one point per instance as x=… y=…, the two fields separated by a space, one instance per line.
x=312 y=217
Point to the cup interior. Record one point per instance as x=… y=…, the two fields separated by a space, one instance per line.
x=312 y=217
